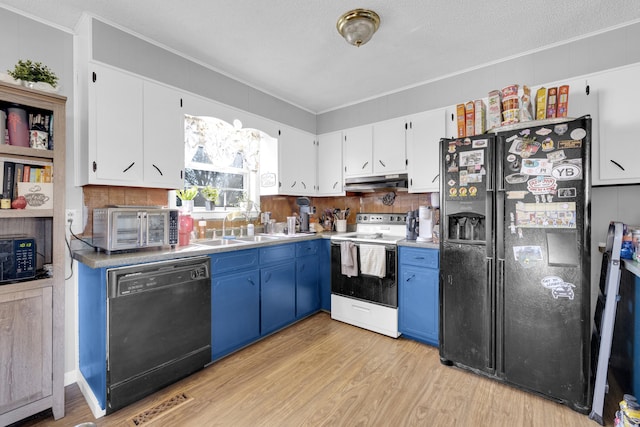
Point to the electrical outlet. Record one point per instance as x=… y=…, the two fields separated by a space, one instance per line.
x=72 y=216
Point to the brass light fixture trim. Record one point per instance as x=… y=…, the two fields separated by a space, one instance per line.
x=358 y=26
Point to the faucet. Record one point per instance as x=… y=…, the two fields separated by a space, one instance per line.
x=232 y=217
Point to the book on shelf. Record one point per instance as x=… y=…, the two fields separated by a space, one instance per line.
x=14 y=172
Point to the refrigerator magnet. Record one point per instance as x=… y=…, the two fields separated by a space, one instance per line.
x=547 y=144
x=559 y=288
x=566 y=193
x=570 y=143
x=543 y=131
x=561 y=129
x=556 y=156
x=527 y=256
x=567 y=170
x=578 y=133
x=516 y=195
x=480 y=143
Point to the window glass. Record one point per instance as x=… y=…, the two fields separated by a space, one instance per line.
x=224 y=156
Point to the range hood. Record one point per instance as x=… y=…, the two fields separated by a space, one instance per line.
x=396 y=182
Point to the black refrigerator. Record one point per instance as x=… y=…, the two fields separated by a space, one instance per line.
x=514 y=257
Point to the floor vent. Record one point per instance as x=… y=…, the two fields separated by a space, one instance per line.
x=159 y=410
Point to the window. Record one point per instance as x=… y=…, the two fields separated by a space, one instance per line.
x=223 y=156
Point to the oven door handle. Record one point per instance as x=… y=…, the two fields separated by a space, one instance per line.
x=389 y=247
x=357 y=307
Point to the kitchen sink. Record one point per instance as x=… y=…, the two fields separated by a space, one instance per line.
x=260 y=238
x=220 y=242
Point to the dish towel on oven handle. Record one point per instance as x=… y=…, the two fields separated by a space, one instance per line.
x=373 y=260
x=348 y=259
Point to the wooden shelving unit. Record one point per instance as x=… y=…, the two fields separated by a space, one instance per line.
x=32 y=312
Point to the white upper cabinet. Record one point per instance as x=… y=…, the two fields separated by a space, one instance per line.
x=297 y=158
x=377 y=149
x=389 y=147
x=616 y=152
x=163 y=137
x=135 y=131
x=423 y=141
x=357 y=151
x=115 y=127
x=451 y=122
x=330 y=164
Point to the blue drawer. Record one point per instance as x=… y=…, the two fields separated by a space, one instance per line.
x=278 y=253
x=420 y=257
x=309 y=247
x=234 y=260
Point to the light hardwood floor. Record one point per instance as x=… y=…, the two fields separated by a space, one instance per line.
x=321 y=372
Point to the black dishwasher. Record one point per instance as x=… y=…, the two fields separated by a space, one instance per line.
x=158 y=326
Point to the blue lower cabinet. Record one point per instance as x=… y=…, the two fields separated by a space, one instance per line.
x=307 y=290
x=418 y=302
x=277 y=296
x=235 y=311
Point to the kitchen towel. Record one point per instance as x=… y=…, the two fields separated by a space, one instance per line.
x=348 y=259
x=373 y=261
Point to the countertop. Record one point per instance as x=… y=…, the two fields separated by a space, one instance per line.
x=95 y=259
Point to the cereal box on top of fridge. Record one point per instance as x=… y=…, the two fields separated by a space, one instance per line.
x=552 y=102
x=541 y=104
x=563 y=101
x=494 y=114
x=470 y=118
x=480 y=122
x=461 y=120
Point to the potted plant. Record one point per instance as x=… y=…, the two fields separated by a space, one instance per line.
x=34 y=75
x=187 y=195
x=210 y=195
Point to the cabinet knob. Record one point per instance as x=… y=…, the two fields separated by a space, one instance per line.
x=382 y=163
x=365 y=165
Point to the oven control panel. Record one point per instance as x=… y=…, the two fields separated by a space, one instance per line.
x=380 y=218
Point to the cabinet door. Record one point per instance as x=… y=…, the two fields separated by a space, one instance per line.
x=307 y=281
x=297 y=158
x=357 y=149
x=423 y=152
x=163 y=137
x=617 y=151
x=451 y=122
x=235 y=311
x=115 y=123
x=330 y=164
x=389 y=147
x=418 y=303
x=26 y=321
x=278 y=296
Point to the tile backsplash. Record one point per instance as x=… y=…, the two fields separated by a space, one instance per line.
x=99 y=196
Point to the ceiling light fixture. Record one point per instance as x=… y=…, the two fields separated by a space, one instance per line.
x=357 y=26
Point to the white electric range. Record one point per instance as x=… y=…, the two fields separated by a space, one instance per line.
x=364 y=293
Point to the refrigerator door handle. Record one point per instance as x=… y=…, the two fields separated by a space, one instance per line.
x=498 y=301
x=490 y=320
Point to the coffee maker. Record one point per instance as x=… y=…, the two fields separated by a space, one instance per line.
x=304 y=204
x=412 y=225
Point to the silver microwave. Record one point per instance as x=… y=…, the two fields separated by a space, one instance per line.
x=131 y=228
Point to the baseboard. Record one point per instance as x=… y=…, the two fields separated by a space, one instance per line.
x=96 y=410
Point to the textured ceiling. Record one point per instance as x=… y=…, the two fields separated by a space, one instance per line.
x=291 y=49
